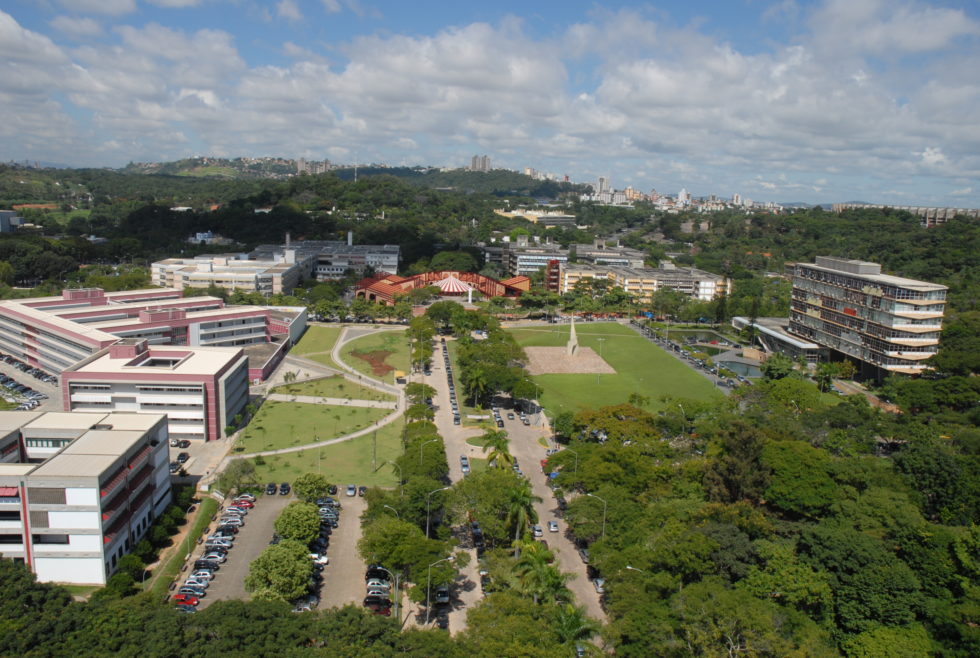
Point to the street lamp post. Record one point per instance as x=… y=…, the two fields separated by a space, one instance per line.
x=400 y=485
x=604 y=506
x=428 y=507
x=574 y=452
x=396 y=578
x=399 y=516
x=422 y=445
x=632 y=568
x=428 y=586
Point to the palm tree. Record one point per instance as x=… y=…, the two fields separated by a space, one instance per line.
x=572 y=624
x=497 y=443
x=520 y=509
x=536 y=575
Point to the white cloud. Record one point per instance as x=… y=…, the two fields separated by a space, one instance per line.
x=108 y=7
x=289 y=10
x=332 y=6
x=76 y=26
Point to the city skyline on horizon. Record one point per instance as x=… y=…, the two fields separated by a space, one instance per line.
x=809 y=101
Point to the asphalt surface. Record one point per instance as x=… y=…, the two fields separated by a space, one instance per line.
x=343 y=578
x=525 y=446
x=252 y=539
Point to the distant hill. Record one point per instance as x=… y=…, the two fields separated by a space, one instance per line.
x=499 y=182
x=237 y=168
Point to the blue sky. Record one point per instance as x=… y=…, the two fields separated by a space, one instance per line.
x=784 y=100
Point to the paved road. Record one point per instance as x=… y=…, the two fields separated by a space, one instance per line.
x=254 y=537
x=343 y=578
x=524 y=444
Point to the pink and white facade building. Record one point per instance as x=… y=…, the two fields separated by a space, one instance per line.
x=201 y=390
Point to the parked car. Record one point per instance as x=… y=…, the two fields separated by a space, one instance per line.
x=183 y=457
x=552 y=526
x=270 y=489
x=183 y=443
x=351 y=490
x=173 y=443
x=235 y=509
x=442 y=595
x=536 y=530
x=174 y=466
x=185 y=608
x=319 y=558
x=243 y=504
x=599 y=584
x=332 y=490
x=246 y=496
x=193 y=591
x=186 y=599
x=377 y=583
x=203 y=574
x=284 y=489
x=584 y=554
x=361 y=490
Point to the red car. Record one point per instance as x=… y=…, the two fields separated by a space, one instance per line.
x=247 y=504
x=186 y=599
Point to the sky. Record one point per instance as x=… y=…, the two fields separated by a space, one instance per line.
x=777 y=100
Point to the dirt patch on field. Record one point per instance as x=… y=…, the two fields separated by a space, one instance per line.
x=376 y=360
x=555 y=361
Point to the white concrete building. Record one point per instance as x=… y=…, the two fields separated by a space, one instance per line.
x=78 y=491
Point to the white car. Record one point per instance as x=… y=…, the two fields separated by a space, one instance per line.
x=351 y=490
x=552 y=526
x=203 y=583
x=319 y=559
x=537 y=531
x=249 y=497
x=202 y=575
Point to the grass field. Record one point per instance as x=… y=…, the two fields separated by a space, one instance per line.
x=394 y=342
x=348 y=462
x=641 y=367
x=317 y=339
x=333 y=387
x=286 y=424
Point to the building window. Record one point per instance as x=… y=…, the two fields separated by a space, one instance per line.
x=49 y=539
x=46 y=495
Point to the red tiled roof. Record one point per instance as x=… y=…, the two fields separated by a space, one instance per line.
x=513 y=281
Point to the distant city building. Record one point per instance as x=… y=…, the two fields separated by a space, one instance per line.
x=545 y=218
x=603 y=185
x=888 y=323
x=480 y=163
x=304 y=166
x=79 y=491
x=201 y=390
x=643 y=282
x=928 y=216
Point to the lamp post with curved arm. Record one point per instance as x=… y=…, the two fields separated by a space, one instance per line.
x=428 y=507
x=604 y=505
x=422 y=445
x=399 y=516
x=428 y=586
x=400 y=485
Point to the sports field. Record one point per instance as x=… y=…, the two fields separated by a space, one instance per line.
x=641 y=367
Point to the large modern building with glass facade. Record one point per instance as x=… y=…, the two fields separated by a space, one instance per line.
x=887 y=323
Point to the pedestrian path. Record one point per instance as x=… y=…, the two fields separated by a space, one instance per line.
x=340 y=402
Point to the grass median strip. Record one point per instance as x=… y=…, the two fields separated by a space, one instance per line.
x=317 y=339
x=336 y=386
x=164 y=575
x=279 y=425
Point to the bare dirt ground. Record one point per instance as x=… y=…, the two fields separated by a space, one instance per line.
x=554 y=361
x=376 y=360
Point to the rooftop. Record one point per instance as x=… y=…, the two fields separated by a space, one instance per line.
x=870 y=272
x=177 y=360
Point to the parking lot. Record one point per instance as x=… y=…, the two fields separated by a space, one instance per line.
x=51 y=389
x=254 y=537
x=343 y=578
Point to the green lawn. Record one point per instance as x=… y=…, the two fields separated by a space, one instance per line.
x=477 y=465
x=348 y=462
x=394 y=342
x=83 y=591
x=287 y=424
x=317 y=339
x=641 y=367
x=333 y=387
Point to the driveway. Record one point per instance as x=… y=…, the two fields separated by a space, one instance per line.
x=229 y=582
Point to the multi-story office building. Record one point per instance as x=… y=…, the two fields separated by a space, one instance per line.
x=480 y=163
x=54 y=333
x=334 y=259
x=523 y=257
x=236 y=272
x=78 y=491
x=201 y=390
x=599 y=253
x=644 y=282
x=888 y=323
